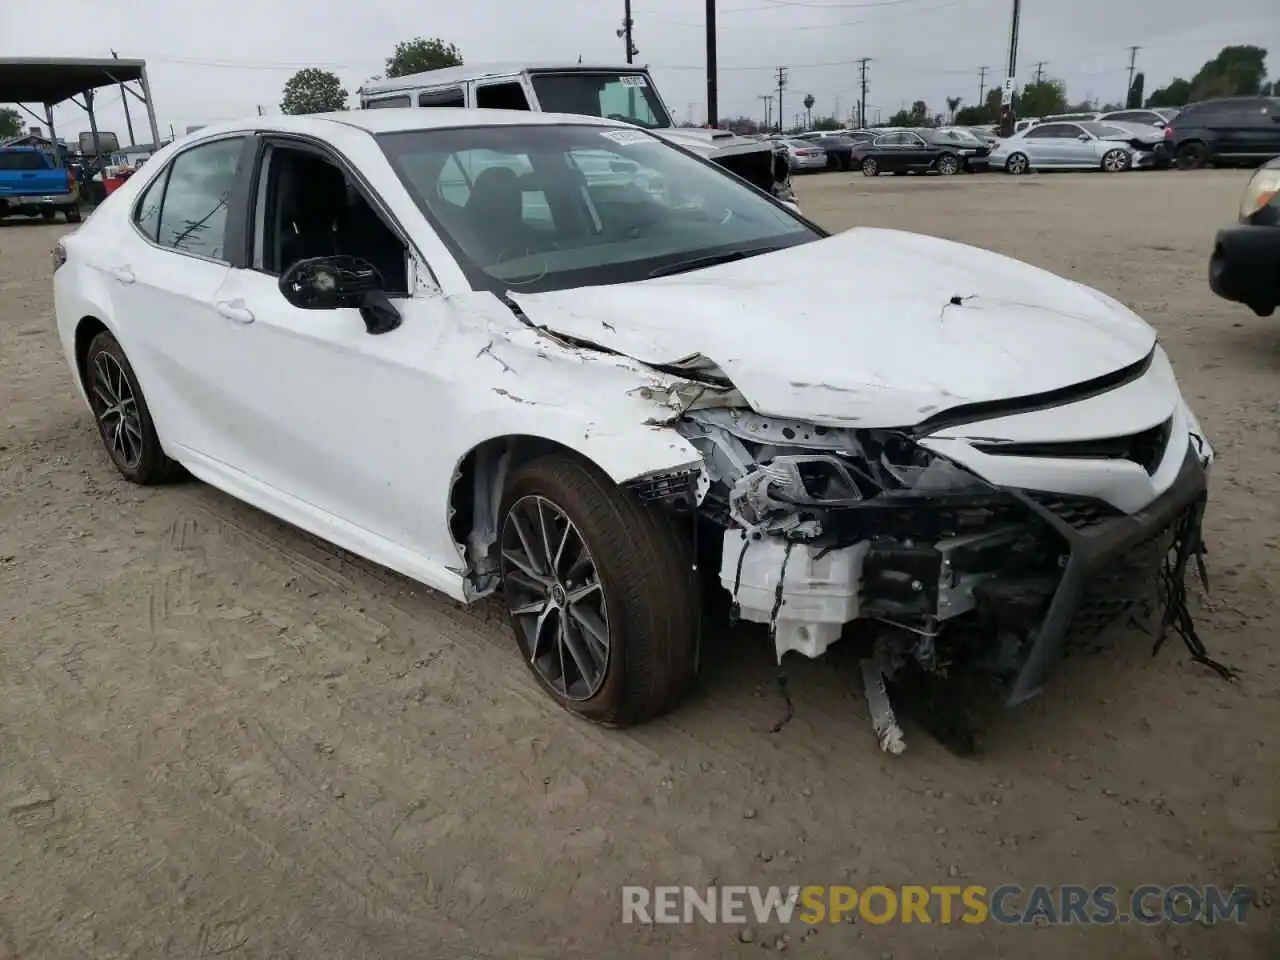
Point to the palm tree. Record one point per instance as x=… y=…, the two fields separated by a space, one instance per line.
x=953 y=104
x=808 y=109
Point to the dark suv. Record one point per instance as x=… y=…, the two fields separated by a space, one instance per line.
x=1234 y=130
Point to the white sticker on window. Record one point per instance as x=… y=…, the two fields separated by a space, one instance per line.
x=626 y=138
x=633 y=81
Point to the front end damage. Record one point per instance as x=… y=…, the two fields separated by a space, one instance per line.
x=824 y=527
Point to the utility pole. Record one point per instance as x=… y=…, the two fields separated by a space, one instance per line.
x=1040 y=65
x=767 y=98
x=982 y=84
x=1006 y=96
x=782 y=82
x=627 y=25
x=862 y=101
x=1133 y=59
x=712 y=107
x=128 y=120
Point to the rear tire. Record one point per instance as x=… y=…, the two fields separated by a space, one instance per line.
x=72 y=214
x=123 y=418
x=635 y=590
x=1192 y=155
x=47 y=214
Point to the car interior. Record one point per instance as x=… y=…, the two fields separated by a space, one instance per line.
x=311 y=209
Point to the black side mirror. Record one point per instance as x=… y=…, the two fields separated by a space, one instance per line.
x=333 y=283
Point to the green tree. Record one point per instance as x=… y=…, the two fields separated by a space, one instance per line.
x=418 y=54
x=953 y=104
x=313 y=91
x=1041 y=99
x=1176 y=94
x=1238 y=71
x=979 y=115
x=826 y=123
x=1134 y=100
x=10 y=123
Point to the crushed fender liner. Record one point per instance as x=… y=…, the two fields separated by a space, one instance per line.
x=1172 y=520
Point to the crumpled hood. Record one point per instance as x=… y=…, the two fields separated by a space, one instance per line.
x=711 y=143
x=860 y=329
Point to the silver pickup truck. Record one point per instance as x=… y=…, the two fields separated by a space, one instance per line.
x=624 y=93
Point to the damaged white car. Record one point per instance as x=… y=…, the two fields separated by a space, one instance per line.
x=538 y=355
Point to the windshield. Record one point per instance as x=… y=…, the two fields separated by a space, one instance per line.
x=628 y=97
x=1103 y=130
x=549 y=207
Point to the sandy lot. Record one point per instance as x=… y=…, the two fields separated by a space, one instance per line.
x=220 y=737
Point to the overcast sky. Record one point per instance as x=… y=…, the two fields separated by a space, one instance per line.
x=222 y=59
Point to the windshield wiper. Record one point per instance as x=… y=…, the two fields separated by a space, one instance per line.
x=698 y=263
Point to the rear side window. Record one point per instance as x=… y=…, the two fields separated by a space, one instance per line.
x=147 y=213
x=451 y=97
x=1054 y=131
x=22 y=160
x=501 y=96
x=193 y=213
x=387 y=103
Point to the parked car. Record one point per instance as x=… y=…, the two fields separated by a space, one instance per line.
x=1150 y=117
x=32 y=184
x=626 y=93
x=427 y=337
x=1085 y=116
x=1233 y=130
x=1245 y=266
x=802 y=155
x=978 y=147
x=1076 y=146
x=918 y=151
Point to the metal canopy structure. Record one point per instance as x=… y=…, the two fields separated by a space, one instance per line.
x=50 y=81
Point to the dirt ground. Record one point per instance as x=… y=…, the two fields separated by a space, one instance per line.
x=219 y=736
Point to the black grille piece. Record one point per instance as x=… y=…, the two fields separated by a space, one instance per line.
x=676 y=489
x=1078 y=512
x=1145 y=448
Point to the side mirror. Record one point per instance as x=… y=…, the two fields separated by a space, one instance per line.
x=1084 y=138
x=334 y=283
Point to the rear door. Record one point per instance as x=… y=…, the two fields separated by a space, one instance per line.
x=1257 y=135
x=164 y=279
x=1043 y=144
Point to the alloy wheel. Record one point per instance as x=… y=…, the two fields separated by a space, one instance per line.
x=1017 y=164
x=116 y=407
x=556 y=599
x=869 y=167
x=1114 y=161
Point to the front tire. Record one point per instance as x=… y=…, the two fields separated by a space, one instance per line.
x=123 y=418
x=601 y=593
x=72 y=214
x=1115 y=161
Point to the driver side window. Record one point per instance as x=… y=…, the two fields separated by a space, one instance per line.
x=307 y=207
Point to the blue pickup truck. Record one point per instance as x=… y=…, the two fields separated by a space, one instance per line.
x=33 y=185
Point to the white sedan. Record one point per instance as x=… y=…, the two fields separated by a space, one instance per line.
x=434 y=339
x=1062 y=145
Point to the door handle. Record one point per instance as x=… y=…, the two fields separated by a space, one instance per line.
x=123 y=274
x=234 y=310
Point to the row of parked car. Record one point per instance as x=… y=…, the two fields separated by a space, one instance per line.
x=1234 y=130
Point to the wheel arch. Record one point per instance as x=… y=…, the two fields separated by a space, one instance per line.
x=87 y=327
x=480 y=477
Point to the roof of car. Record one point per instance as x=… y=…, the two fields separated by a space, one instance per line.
x=471 y=71
x=405 y=118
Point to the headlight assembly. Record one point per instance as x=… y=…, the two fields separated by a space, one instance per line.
x=1262 y=189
